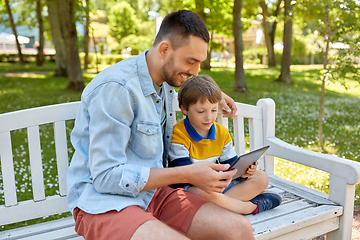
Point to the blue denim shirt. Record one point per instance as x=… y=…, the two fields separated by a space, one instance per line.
x=117 y=139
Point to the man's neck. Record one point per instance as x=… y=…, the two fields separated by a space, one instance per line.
x=153 y=62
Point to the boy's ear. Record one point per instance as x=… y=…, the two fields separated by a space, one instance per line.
x=183 y=110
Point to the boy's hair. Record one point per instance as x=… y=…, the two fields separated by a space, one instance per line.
x=202 y=88
x=179 y=25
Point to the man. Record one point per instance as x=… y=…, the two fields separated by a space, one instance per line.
x=117 y=185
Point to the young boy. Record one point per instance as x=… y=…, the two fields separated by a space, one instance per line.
x=198 y=137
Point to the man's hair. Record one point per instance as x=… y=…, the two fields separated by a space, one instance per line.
x=202 y=88
x=178 y=26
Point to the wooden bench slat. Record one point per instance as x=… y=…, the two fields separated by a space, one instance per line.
x=7 y=169
x=300 y=190
x=25 y=210
x=248 y=111
x=56 y=229
x=37 y=176
x=38 y=116
x=239 y=135
x=296 y=221
x=312 y=231
x=61 y=154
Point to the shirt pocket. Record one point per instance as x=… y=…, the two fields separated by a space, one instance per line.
x=147 y=140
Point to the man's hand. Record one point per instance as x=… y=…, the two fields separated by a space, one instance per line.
x=228 y=106
x=209 y=176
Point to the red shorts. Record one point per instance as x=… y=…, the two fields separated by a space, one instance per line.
x=174 y=207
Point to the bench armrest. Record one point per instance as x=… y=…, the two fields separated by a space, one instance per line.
x=350 y=170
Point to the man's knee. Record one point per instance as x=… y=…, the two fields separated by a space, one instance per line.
x=238 y=227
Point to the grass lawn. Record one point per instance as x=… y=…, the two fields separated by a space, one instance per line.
x=296 y=116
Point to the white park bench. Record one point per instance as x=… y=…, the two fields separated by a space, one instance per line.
x=303 y=214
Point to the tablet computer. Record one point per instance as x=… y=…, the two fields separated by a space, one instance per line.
x=243 y=162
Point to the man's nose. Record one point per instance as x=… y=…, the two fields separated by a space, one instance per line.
x=194 y=70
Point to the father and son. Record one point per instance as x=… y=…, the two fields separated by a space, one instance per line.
x=128 y=152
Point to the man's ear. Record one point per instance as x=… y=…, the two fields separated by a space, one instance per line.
x=164 y=48
x=183 y=110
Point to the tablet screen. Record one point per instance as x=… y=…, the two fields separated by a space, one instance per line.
x=243 y=162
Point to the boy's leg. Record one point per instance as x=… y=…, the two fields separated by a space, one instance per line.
x=214 y=222
x=250 y=188
x=224 y=201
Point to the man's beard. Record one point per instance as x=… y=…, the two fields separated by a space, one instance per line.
x=167 y=75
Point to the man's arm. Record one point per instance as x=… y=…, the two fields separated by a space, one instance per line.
x=206 y=175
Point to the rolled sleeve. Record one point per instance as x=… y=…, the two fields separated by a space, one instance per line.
x=134 y=179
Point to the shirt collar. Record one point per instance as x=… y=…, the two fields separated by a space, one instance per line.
x=195 y=136
x=146 y=82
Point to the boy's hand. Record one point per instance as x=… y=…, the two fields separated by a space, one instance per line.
x=209 y=176
x=250 y=171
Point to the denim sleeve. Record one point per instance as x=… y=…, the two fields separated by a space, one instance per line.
x=111 y=113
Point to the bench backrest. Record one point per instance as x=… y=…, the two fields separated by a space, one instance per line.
x=41 y=203
x=14 y=210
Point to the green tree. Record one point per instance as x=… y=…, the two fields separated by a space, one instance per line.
x=74 y=72
x=240 y=81
x=269 y=22
x=335 y=21
x=12 y=24
x=40 y=54
x=287 y=39
x=57 y=37
x=122 y=20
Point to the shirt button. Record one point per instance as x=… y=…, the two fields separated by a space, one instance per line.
x=157 y=101
x=127 y=185
x=148 y=131
x=170 y=91
x=170 y=114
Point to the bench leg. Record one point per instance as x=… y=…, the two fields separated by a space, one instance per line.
x=345 y=197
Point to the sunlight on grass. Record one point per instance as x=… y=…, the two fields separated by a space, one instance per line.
x=304 y=175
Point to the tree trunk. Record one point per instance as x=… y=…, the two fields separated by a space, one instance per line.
x=40 y=54
x=57 y=37
x=269 y=32
x=21 y=58
x=286 y=57
x=200 y=11
x=75 y=77
x=240 y=81
x=322 y=97
x=265 y=23
x=87 y=36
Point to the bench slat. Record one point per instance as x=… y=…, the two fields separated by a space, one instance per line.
x=297 y=221
x=300 y=190
x=37 y=176
x=38 y=116
x=56 y=229
x=61 y=154
x=7 y=169
x=26 y=210
x=248 y=111
x=239 y=135
x=311 y=231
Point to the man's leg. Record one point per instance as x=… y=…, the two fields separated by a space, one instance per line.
x=214 y=222
x=156 y=230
